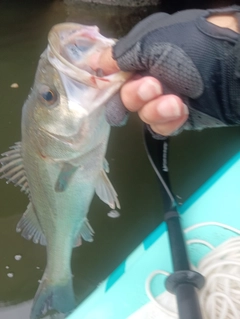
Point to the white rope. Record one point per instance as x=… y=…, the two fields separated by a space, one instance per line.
x=201 y=242
x=220 y=296
x=172 y=314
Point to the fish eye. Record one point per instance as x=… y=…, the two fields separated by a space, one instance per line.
x=48 y=96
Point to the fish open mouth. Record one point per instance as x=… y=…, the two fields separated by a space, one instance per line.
x=71 y=45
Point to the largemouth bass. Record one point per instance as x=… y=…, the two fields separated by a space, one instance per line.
x=60 y=161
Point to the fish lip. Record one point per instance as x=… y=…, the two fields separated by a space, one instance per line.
x=59 y=37
x=57 y=41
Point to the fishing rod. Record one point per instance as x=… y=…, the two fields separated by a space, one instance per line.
x=183 y=281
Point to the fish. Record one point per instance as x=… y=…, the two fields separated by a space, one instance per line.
x=60 y=161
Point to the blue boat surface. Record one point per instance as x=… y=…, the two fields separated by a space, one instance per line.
x=123 y=293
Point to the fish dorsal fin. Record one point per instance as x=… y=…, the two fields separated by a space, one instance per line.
x=105 y=190
x=12 y=167
x=86 y=232
x=29 y=226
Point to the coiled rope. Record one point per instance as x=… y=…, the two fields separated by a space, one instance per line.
x=220 y=296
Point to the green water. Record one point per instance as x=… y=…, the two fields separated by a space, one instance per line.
x=193 y=158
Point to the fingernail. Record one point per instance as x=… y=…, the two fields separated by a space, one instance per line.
x=170 y=108
x=149 y=90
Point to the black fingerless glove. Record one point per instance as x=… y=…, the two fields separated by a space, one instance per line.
x=193 y=58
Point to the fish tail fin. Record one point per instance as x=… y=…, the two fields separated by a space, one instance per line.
x=58 y=297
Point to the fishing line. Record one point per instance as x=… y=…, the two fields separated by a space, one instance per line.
x=163 y=182
x=220 y=297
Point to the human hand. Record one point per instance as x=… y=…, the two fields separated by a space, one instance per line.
x=195 y=61
x=164 y=113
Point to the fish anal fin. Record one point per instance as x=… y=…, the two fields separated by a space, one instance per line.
x=30 y=228
x=86 y=232
x=78 y=241
x=105 y=191
x=12 y=167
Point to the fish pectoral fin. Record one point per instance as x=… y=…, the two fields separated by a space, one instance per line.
x=30 y=228
x=105 y=190
x=86 y=232
x=65 y=177
x=12 y=167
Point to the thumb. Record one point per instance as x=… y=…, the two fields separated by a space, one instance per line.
x=104 y=60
